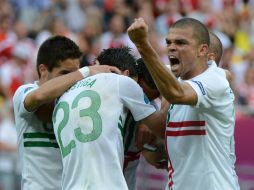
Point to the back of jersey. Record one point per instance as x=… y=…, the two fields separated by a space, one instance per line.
x=88 y=122
x=39 y=154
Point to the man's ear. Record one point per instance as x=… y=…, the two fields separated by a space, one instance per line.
x=203 y=50
x=126 y=72
x=43 y=71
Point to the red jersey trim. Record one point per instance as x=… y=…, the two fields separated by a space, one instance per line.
x=170 y=168
x=185 y=132
x=129 y=157
x=186 y=124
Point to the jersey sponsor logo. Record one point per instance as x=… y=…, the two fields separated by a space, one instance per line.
x=186 y=128
x=200 y=86
x=40 y=140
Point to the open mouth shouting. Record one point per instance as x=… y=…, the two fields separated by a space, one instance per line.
x=174 y=63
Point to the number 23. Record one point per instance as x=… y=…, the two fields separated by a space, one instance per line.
x=91 y=111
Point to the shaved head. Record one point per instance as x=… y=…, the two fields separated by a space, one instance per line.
x=200 y=32
x=215 y=47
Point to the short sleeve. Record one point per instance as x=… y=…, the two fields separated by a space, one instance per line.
x=134 y=99
x=204 y=98
x=212 y=87
x=212 y=91
x=19 y=98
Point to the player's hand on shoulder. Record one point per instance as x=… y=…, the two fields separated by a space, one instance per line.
x=96 y=69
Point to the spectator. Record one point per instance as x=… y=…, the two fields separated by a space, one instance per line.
x=12 y=73
x=9 y=167
x=245 y=90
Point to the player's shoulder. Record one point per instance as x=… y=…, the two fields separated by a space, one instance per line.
x=120 y=81
x=213 y=80
x=24 y=89
x=213 y=75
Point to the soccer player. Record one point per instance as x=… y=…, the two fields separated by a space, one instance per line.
x=215 y=54
x=215 y=48
x=39 y=154
x=89 y=124
x=201 y=119
x=138 y=138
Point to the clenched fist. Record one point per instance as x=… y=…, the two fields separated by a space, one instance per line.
x=138 y=31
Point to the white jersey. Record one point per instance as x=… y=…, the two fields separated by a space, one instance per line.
x=199 y=138
x=39 y=154
x=131 y=152
x=89 y=122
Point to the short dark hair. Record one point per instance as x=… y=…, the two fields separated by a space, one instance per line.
x=144 y=74
x=120 y=58
x=215 y=47
x=200 y=32
x=56 y=49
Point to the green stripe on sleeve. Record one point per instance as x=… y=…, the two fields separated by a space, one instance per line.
x=40 y=144
x=39 y=135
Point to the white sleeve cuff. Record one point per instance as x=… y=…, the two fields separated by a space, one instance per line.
x=85 y=71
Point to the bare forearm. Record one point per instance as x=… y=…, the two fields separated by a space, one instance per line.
x=56 y=87
x=51 y=89
x=156 y=123
x=164 y=79
x=157 y=130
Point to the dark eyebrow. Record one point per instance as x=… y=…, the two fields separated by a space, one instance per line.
x=176 y=41
x=181 y=41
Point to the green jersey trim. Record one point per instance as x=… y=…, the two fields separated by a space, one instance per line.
x=36 y=140
x=40 y=144
x=39 y=135
x=120 y=126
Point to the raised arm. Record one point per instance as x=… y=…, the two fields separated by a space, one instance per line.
x=165 y=80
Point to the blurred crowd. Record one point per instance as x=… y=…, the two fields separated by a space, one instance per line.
x=98 y=24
